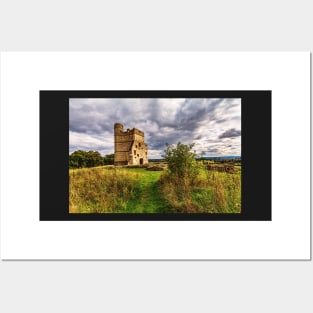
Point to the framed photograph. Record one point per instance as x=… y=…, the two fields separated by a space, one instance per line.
x=182 y=155
x=155 y=156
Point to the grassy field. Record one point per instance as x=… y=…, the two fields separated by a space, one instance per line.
x=211 y=192
x=107 y=190
x=136 y=190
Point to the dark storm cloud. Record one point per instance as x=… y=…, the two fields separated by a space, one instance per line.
x=221 y=120
x=195 y=111
x=198 y=137
x=162 y=120
x=92 y=118
x=230 y=133
x=212 y=150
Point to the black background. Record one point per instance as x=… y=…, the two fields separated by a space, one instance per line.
x=255 y=154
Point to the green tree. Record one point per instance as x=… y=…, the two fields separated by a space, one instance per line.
x=94 y=158
x=82 y=158
x=77 y=159
x=181 y=177
x=181 y=161
x=108 y=159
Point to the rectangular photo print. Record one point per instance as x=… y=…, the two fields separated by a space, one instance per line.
x=154 y=156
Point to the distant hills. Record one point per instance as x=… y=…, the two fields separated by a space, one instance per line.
x=225 y=157
x=214 y=158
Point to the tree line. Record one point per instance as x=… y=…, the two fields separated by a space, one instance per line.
x=80 y=158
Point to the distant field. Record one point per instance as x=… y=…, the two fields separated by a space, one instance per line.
x=135 y=190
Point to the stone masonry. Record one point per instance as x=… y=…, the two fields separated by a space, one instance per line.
x=129 y=146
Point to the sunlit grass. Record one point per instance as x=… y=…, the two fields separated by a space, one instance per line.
x=210 y=192
x=101 y=190
x=136 y=190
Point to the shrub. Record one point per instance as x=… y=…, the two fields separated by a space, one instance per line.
x=181 y=161
x=188 y=187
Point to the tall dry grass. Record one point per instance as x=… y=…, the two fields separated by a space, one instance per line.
x=100 y=190
x=105 y=190
x=209 y=192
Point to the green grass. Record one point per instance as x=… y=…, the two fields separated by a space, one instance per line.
x=147 y=197
x=210 y=192
x=105 y=190
x=136 y=190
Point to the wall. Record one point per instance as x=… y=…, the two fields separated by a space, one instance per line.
x=130 y=148
x=148 y=286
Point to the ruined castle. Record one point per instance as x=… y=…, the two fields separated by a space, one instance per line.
x=129 y=146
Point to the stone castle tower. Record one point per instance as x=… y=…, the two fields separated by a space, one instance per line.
x=129 y=146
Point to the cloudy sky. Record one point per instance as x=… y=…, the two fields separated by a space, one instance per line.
x=214 y=125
